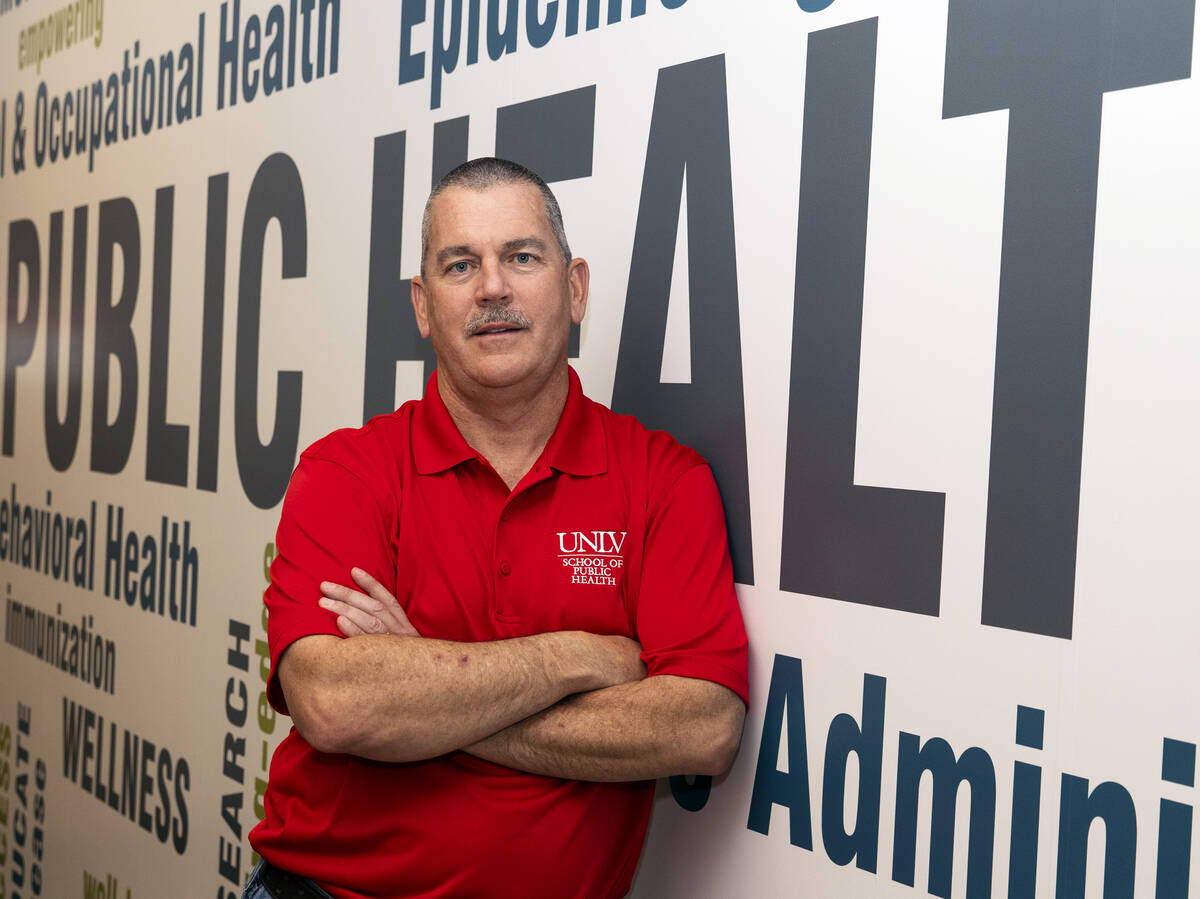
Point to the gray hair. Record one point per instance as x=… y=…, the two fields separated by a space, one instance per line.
x=489 y=171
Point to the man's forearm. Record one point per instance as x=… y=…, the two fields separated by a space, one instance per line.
x=651 y=728
x=398 y=699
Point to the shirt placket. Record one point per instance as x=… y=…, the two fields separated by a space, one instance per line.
x=512 y=530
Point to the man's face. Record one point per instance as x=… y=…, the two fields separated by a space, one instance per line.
x=496 y=296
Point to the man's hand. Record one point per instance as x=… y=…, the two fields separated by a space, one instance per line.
x=372 y=611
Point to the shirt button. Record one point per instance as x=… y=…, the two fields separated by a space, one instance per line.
x=504 y=516
x=505 y=568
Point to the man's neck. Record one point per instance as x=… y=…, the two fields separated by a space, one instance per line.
x=508 y=426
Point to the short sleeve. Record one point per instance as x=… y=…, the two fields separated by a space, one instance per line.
x=688 y=620
x=331 y=522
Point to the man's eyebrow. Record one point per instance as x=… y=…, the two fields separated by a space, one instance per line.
x=524 y=243
x=447 y=253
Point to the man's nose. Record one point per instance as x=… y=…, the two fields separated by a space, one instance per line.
x=492 y=284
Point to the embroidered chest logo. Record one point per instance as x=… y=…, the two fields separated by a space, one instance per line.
x=592 y=557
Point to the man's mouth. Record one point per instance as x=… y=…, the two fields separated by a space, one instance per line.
x=499 y=321
x=496 y=329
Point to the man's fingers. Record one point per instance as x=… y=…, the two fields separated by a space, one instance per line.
x=348 y=595
x=371 y=615
x=389 y=610
x=353 y=598
x=364 y=621
x=372 y=587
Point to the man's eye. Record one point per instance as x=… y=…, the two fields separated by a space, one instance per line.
x=459 y=268
x=524 y=258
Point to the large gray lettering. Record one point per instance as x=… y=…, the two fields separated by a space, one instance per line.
x=23 y=250
x=872 y=545
x=208 y=428
x=689 y=127
x=111 y=442
x=62 y=431
x=264 y=468
x=166 y=443
x=1072 y=52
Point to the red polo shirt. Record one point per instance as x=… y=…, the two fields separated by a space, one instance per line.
x=615 y=530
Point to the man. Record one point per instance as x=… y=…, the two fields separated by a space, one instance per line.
x=491 y=730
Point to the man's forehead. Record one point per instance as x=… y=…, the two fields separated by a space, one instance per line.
x=463 y=210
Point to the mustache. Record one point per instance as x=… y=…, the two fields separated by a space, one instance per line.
x=497 y=315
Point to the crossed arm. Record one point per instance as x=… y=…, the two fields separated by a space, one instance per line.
x=564 y=704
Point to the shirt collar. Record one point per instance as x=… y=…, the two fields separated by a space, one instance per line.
x=437 y=444
x=576 y=447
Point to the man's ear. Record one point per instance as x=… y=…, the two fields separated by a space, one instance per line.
x=578 y=278
x=420 y=301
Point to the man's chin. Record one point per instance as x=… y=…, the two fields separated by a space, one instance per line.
x=501 y=373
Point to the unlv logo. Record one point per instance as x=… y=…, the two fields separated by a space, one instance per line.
x=592 y=557
x=578 y=542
